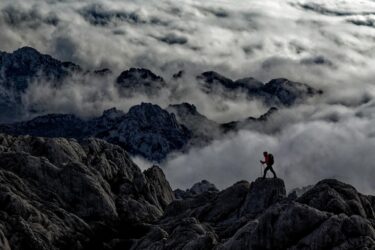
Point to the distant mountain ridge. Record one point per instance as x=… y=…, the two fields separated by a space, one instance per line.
x=19 y=69
x=25 y=66
x=277 y=92
x=146 y=130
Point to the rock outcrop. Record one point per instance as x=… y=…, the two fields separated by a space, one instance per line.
x=61 y=194
x=58 y=193
x=260 y=216
x=197 y=189
x=336 y=197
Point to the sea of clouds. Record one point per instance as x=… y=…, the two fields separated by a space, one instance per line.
x=329 y=44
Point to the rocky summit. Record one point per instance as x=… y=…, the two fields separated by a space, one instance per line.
x=58 y=193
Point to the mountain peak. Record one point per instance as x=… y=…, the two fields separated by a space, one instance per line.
x=185 y=108
x=113 y=113
x=27 y=50
x=139 y=80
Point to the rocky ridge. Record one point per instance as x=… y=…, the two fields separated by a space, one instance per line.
x=277 y=92
x=146 y=130
x=62 y=194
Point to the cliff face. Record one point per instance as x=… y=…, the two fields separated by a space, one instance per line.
x=61 y=194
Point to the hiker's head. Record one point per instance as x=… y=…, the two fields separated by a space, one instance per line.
x=265 y=153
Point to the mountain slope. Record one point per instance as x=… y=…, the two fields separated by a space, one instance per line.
x=61 y=194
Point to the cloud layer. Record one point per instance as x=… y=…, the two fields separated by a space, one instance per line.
x=305 y=152
x=329 y=44
x=299 y=39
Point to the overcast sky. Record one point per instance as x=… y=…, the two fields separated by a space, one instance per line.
x=329 y=44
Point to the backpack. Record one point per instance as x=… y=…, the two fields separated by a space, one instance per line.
x=270 y=159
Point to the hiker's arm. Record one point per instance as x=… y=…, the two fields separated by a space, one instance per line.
x=262 y=162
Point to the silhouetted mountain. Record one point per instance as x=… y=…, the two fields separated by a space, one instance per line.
x=197 y=189
x=149 y=131
x=61 y=194
x=278 y=92
x=246 y=123
x=141 y=81
x=22 y=67
x=203 y=129
x=26 y=65
x=146 y=130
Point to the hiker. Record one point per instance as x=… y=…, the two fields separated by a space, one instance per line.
x=268 y=160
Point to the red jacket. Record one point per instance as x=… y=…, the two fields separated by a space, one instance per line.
x=266 y=160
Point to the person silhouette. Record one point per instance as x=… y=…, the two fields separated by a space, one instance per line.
x=268 y=160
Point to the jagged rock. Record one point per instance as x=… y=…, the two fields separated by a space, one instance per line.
x=197 y=189
x=4 y=244
x=103 y=72
x=340 y=232
x=25 y=64
x=179 y=74
x=19 y=69
x=248 y=122
x=337 y=197
x=149 y=131
x=202 y=187
x=146 y=130
x=298 y=192
x=262 y=194
x=203 y=129
x=286 y=92
x=100 y=125
x=187 y=234
x=231 y=208
x=249 y=83
x=138 y=80
x=278 y=228
x=61 y=194
x=159 y=187
x=297 y=226
x=64 y=194
x=277 y=92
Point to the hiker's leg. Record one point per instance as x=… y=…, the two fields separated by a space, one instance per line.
x=274 y=174
x=265 y=172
